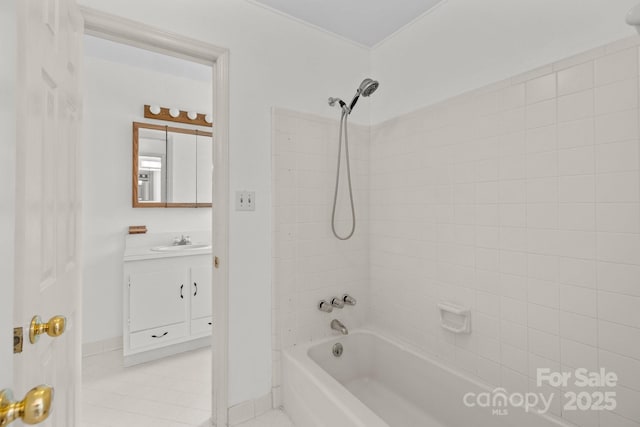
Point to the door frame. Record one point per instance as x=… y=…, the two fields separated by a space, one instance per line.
x=122 y=30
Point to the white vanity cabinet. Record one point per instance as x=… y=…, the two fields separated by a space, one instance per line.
x=201 y=321
x=167 y=306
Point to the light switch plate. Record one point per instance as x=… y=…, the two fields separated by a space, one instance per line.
x=245 y=200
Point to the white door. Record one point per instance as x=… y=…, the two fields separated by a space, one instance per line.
x=47 y=200
x=9 y=48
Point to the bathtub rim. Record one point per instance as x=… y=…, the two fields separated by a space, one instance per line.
x=339 y=394
x=357 y=412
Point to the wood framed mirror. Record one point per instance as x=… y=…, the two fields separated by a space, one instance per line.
x=172 y=167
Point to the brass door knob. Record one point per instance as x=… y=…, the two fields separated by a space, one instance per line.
x=33 y=409
x=54 y=327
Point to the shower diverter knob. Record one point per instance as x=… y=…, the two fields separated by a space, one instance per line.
x=325 y=306
x=337 y=303
x=348 y=299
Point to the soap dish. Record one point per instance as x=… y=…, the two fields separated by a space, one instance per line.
x=455 y=318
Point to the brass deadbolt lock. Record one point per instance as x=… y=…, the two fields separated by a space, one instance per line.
x=17 y=340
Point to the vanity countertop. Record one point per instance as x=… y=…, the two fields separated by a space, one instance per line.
x=138 y=247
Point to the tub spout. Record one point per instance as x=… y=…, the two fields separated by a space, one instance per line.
x=337 y=325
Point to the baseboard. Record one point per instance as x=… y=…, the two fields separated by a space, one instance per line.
x=250 y=409
x=98 y=347
x=170 y=350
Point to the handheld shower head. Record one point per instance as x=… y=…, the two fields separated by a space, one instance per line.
x=367 y=87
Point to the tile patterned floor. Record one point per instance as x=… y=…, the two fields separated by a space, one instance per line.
x=172 y=392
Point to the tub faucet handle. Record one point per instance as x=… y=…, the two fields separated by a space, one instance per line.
x=337 y=302
x=348 y=299
x=325 y=306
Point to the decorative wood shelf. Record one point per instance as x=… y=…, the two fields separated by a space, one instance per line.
x=182 y=117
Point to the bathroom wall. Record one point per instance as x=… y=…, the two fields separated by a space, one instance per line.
x=309 y=263
x=115 y=95
x=461 y=45
x=275 y=61
x=521 y=201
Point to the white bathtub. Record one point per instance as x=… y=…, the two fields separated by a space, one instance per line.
x=380 y=383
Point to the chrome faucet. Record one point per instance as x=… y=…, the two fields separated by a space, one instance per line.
x=337 y=325
x=182 y=241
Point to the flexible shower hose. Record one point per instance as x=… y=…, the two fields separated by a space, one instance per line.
x=343 y=121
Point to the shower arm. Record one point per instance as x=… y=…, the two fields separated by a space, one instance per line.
x=343 y=105
x=633 y=17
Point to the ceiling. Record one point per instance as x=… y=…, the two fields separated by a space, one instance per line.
x=367 y=22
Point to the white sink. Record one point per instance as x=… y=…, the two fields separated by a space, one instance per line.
x=180 y=248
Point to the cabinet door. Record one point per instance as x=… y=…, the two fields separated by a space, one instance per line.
x=204 y=169
x=157 y=298
x=181 y=172
x=200 y=291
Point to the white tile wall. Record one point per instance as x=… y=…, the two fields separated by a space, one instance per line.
x=309 y=264
x=527 y=196
x=520 y=200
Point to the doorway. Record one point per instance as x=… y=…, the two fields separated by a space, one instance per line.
x=115 y=29
x=41 y=121
x=174 y=164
